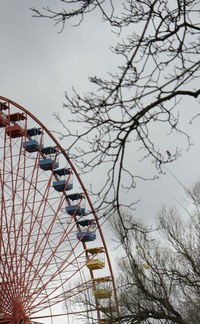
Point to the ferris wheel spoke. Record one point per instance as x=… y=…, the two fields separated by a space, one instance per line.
x=37 y=254
x=6 y=243
x=26 y=232
x=68 y=294
x=70 y=275
x=16 y=178
x=60 y=266
x=32 y=218
x=42 y=268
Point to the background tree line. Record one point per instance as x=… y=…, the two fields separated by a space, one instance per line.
x=159 y=278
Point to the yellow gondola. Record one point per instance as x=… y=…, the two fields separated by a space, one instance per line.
x=102 y=292
x=98 y=261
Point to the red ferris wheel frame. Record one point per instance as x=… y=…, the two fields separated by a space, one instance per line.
x=18 y=268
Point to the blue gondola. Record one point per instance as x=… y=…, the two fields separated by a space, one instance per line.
x=33 y=132
x=86 y=236
x=60 y=185
x=75 y=196
x=62 y=172
x=75 y=209
x=85 y=222
x=47 y=164
x=49 y=150
x=65 y=183
x=32 y=145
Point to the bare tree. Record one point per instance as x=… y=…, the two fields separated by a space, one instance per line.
x=158 y=48
x=159 y=279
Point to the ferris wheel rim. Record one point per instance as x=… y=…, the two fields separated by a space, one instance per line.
x=77 y=176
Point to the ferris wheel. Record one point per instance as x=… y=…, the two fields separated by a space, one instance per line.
x=54 y=263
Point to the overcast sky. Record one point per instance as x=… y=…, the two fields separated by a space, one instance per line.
x=38 y=64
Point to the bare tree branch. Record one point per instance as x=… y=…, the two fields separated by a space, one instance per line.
x=158 y=48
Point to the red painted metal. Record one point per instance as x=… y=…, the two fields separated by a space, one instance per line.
x=3 y=121
x=39 y=250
